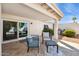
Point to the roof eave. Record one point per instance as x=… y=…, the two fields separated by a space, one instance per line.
x=56 y=9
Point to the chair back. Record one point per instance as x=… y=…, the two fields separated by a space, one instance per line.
x=46 y=34
x=33 y=41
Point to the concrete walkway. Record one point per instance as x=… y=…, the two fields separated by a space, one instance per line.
x=69 y=48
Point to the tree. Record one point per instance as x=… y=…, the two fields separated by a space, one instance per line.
x=74 y=19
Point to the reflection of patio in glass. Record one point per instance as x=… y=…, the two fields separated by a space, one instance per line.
x=22 y=29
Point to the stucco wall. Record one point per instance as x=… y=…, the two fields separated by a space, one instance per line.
x=0 y=30
x=34 y=26
x=37 y=26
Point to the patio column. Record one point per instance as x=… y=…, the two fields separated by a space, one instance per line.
x=56 y=30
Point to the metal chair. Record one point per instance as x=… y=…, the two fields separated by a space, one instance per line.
x=33 y=42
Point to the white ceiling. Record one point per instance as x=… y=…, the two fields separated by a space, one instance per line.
x=24 y=11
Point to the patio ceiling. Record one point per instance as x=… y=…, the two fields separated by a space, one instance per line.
x=24 y=11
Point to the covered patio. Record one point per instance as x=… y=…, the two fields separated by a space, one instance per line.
x=36 y=15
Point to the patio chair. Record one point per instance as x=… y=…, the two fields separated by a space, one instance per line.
x=32 y=42
x=46 y=36
x=47 y=39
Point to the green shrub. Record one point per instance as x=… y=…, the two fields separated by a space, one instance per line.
x=51 y=31
x=45 y=30
x=69 y=33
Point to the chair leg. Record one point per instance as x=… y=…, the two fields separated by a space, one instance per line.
x=42 y=41
x=57 y=48
x=38 y=50
x=47 y=48
x=28 y=49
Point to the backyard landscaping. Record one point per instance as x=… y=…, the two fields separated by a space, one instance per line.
x=69 y=35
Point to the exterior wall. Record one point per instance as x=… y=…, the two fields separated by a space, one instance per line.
x=73 y=26
x=50 y=25
x=35 y=27
x=0 y=30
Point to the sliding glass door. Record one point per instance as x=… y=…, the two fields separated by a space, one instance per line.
x=14 y=30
